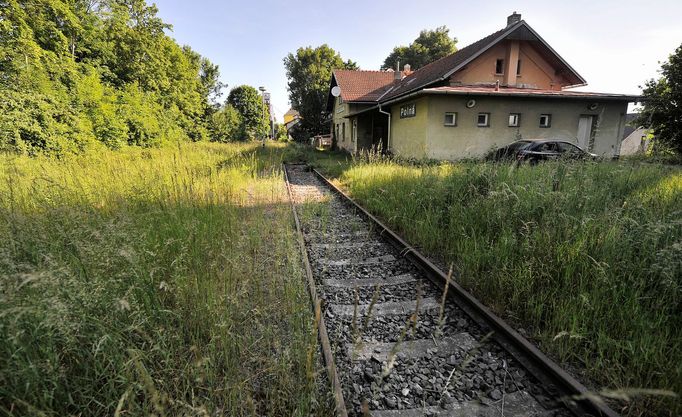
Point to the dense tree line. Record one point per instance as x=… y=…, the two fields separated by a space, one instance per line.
x=77 y=73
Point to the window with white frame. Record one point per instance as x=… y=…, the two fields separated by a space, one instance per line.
x=514 y=119
x=450 y=119
x=545 y=120
x=483 y=120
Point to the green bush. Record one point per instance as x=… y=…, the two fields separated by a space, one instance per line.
x=227 y=125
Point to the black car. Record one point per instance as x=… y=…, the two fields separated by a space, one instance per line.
x=534 y=151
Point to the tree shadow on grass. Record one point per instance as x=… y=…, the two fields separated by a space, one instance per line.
x=156 y=308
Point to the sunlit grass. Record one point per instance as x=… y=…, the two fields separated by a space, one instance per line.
x=587 y=257
x=163 y=281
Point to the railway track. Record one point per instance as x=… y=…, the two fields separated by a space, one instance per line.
x=398 y=341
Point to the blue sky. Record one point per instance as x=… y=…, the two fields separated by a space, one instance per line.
x=615 y=45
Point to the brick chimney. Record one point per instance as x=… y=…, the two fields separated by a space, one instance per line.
x=513 y=18
x=407 y=69
x=397 y=74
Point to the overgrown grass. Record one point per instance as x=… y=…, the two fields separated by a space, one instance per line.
x=586 y=256
x=153 y=282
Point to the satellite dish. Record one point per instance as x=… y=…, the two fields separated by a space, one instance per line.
x=336 y=91
x=471 y=103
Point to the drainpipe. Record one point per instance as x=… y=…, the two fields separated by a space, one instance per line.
x=388 y=138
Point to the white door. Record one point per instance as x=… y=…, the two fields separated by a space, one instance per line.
x=584 y=131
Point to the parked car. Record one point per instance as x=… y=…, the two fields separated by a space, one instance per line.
x=534 y=151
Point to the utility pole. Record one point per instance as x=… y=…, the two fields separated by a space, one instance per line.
x=262 y=96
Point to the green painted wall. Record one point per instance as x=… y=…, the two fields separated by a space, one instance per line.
x=426 y=135
x=408 y=135
x=339 y=118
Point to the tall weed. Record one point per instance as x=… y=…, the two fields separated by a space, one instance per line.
x=586 y=256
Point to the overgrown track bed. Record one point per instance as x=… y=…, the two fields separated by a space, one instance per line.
x=402 y=346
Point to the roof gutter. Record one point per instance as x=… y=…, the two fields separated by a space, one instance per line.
x=629 y=99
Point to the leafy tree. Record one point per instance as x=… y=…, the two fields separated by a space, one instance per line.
x=211 y=87
x=308 y=73
x=662 y=110
x=429 y=46
x=227 y=125
x=74 y=73
x=254 y=114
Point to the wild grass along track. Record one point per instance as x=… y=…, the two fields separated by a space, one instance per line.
x=399 y=343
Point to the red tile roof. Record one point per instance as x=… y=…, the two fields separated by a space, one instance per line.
x=363 y=86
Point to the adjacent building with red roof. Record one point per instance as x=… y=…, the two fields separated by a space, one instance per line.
x=507 y=86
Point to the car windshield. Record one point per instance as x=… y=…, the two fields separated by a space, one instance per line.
x=517 y=145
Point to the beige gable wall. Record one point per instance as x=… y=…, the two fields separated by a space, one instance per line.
x=536 y=72
x=408 y=135
x=467 y=140
x=482 y=69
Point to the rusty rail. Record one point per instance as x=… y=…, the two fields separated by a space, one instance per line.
x=317 y=307
x=574 y=395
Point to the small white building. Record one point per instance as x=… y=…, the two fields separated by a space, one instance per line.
x=636 y=140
